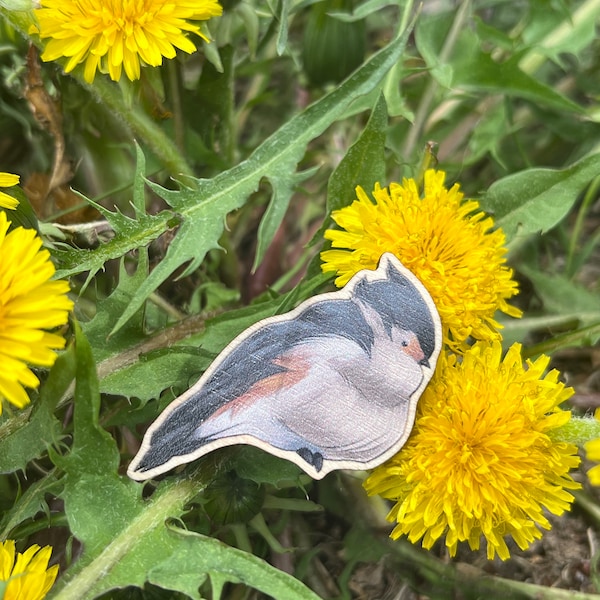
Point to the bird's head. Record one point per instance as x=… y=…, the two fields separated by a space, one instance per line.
x=408 y=343
x=404 y=308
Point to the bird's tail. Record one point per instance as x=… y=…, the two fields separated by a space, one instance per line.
x=169 y=442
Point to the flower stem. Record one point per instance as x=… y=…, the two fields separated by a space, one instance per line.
x=431 y=576
x=428 y=96
x=588 y=504
x=141 y=125
x=174 y=83
x=578 y=431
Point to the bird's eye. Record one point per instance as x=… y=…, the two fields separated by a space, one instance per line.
x=404 y=343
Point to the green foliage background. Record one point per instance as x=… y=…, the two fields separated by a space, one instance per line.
x=213 y=178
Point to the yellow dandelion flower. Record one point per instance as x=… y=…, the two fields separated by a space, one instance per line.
x=110 y=35
x=592 y=450
x=8 y=180
x=26 y=575
x=481 y=460
x=593 y=453
x=29 y=303
x=448 y=244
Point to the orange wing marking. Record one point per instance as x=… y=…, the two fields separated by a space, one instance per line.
x=297 y=367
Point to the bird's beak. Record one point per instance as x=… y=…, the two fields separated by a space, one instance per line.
x=425 y=363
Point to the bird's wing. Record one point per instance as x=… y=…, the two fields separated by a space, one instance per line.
x=288 y=369
x=254 y=359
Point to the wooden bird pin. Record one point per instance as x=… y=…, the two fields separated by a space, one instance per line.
x=332 y=384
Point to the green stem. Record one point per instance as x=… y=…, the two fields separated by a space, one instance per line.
x=431 y=576
x=140 y=124
x=578 y=431
x=563 y=340
x=588 y=504
x=27 y=528
x=259 y=524
x=242 y=539
x=422 y=113
x=406 y=15
x=166 y=306
x=295 y=504
x=588 y=200
x=174 y=82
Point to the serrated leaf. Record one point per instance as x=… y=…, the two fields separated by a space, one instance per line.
x=125 y=365
x=98 y=330
x=185 y=560
x=283 y=189
x=32 y=438
x=363 y=164
x=93 y=450
x=111 y=350
x=122 y=368
x=204 y=209
x=29 y=504
x=143 y=548
x=196 y=553
x=201 y=211
x=480 y=72
x=146 y=379
x=97 y=502
x=129 y=235
x=536 y=200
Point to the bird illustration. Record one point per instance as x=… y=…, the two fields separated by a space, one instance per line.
x=332 y=384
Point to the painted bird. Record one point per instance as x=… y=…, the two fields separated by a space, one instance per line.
x=331 y=385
